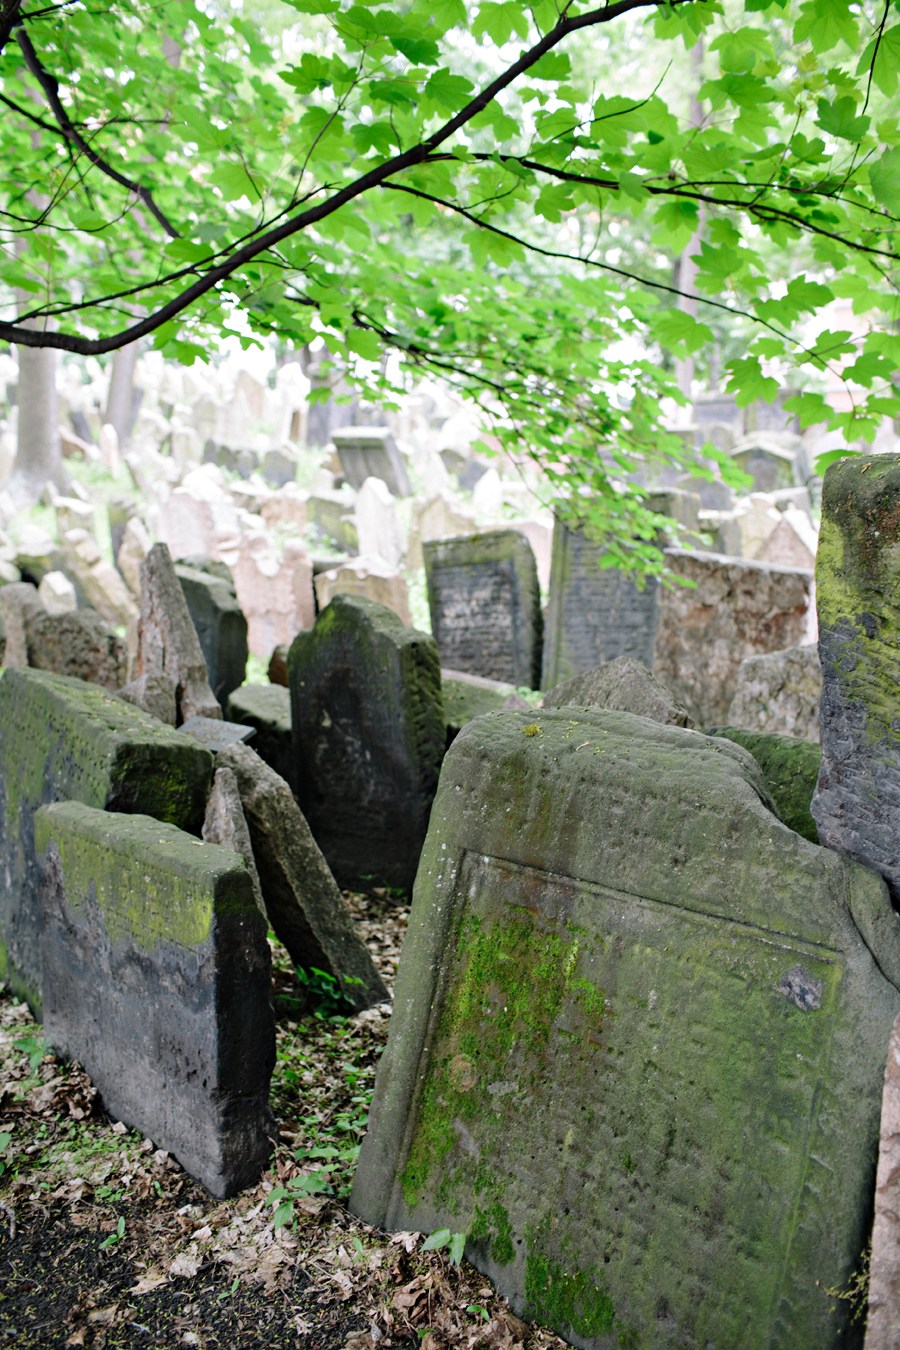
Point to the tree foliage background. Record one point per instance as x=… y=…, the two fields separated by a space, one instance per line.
x=492 y=191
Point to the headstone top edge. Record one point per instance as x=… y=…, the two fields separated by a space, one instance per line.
x=726 y=560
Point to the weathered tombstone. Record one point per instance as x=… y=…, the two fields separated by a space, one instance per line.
x=267 y=708
x=369 y=577
x=217 y=734
x=790 y=766
x=57 y=594
x=156 y=980
x=857 y=801
x=221 y=628
x=735 y=608
x=274 y=591
x=61 y=738
x=883 y=1320
x=774 y=459
x=624 y=685
x=226 y=824
x=18 y=601
x=437 y=517
x=376 y=523
x=779 y=691
x=331 y=513
x=73 y=514
x=277 y=669
x=105 y=590
x=167 y=639
x=279 y=467
x=368 y=731
x=638 y=1040
x=594 y=613
x=485 y=605
x=136 y=544
x=466 y=696
x=119 y=511
x=304 y=905
x=371 y=452
x=154 y=694
x=79 y=644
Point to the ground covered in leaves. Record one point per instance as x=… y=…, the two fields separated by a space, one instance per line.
x=106 y=1242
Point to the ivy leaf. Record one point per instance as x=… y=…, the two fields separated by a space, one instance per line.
x=747 y=382
x=838 y=117
x=451 y=92
x=500 y=21
x=826 y=23
x=884 y=180
x=680 y=332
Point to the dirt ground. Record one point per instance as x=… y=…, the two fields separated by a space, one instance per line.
x=105 y=1241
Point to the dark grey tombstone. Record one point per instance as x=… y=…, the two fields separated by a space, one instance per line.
x=120 y=510
x=485 y=603
x=220 y=624
x=368 y=735
x=217 y=735
x=594 y=614
x=279 y=467
x=267 y=708
x=371 y=452
x=157 y=979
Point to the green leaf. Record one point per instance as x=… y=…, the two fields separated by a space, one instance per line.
x=314 y=6
x=747 y=382
x=810 y=408
x=234 y=182
x=5 y=1140
x=738 y=51
x=363 y=344
x=500 y=21
x=312 y=73
x=680 y=332
x=283 y=1214
x=884 y=180
x=838 y=117
x=687 y=22
x=821 y=462
x=552 y=66
x=886 y=57
x=450 y=91
x=421 y=51
x=826 y=23
x=676 y=220
x=457 y=1247
x=439 y=1238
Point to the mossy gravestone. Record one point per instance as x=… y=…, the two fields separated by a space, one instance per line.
x=638 y=1040
x=221 y=627
x=267 y=707
x=368 y=729
x=790 y=767
x=61 y=738
x=857 y=801
x=156 y=980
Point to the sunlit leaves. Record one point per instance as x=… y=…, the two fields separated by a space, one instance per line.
x=676 y=220
x=748 y=383
x=449 y=91
x=825 y=23
x=680 y=332
x=500 y=20
x=882 y=57
x=838 y=117
x=884 y=179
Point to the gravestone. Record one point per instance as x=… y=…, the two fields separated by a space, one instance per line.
x=119 y=511
x=467 y=696
x=304 y=905
x=331 y=513
x=779 y=692
x=368 y=735
x=857 y=801
x=226 y=824
x=436 y=517
x=371 y=452
x=594 y=614
x=277 y=670
x=735 y=608
x=623 y=685
x=267 y=708
x=485 y=605
x=155 y=694
x=167 y=639
x=61 y=738
x=18 y=601
x=79 y=644
x=883 y=1320
x=157 y=979
x=371 y=578
x=376 y=523
x=790 y=766
x=217 y=734
x=136 y=544
x=97 y=579
x=638 y=1040
x=57 y=594
x=221 y=627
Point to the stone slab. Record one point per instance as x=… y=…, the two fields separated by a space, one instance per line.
x=624 y=685
x=80 y=644
x=267 y=708
x=368 y=729
x=221 y=628
x=857 y=801
x=790 y=766
x=157 y=980
x=226 y=824
x=154 y=694
x=63 y=739
x=18 y=601
x=485 y=604
x=216 y=735
x=304 y=905
x=466 y=696
x=371 y=452
x=167 y=639
x=638 y=1040
x=779 y=692
x=883 y=1321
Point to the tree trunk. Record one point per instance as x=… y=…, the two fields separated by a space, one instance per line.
x=687 y=267
x=38 y=453
x=121 y=391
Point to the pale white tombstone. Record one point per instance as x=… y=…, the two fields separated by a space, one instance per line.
x=109 y=449
x=72 y=514
x=438 y=517
x=136 y=544
x=253 y=392
x=274 y=592
x=376 y=523
x=487 y=495
x=371 y=577
x=792 y=543
x=57 y=593
x=198 y=513
x=287 y=505
x=101 y=583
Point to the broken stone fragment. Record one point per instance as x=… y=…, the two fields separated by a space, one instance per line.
x=105 y=590
x=226 y=824
x=278 y=671
x=167 y=640
x=57 y=593
x=18 y=601
x=80 y=644
x=304 y=905
x=624 y=685
x=155 y=694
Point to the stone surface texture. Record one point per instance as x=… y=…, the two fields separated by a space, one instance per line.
x=17 y=601
x=736 y=609
x=167 y=639
x=466 y=696
x=779 y=692
x=221 y=628
x=267 y=707
x=857 y=801
x=156 y=980
x=301 y=897
x=225 y=824
x=624 y=685
x=274 y=591
x=104 y=588
x=371 y=452
x=883 y=1322
x=57 y=593
x=154 y=694
x=80 y=644
x=485 y=605
x=63 y=739
x=371 y=578
x=790 y=766
x=638 y=1040
x=369 y=735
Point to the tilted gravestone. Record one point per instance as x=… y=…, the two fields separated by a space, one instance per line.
x=80 y=644
x=267 y=708
x=466 y=696
x=371 y=452
x=790 y=766
x=485 y=605
x=157 y=977
x=857 y=801
x=779 y=692
x=221 y=627
x=594 y=614
x=638 y=1040
x=167 y=639
x=625 y=685
x=368 y=729
x=63 y=739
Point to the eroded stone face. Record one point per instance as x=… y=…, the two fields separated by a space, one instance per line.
x=638 y=1040
x=221 y=628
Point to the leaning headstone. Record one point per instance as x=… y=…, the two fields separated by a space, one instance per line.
x=274 y=590
x=790 y=767
x=857 y=801
x=217 y=734
x=267 y=708
x=136 y=544
x=368 y=731
x=119 y=511
x=304 y=905
x=485 y=605
x=61 y=738
x=779 y=692
x=883 y=1320
x=221 y=628
x=331 y=514
x=466 y=696
x=638 y=1040
x=225 y=824
x=437 y=517
x=371 y=452
x=79 y=644
x=735 y=608
x=155 y=694
x=156 y=980
x=167 y=639
x=369 y=577
x=18 y=601
x=105 y=590
x=57 y=594
x=377 y=524
x=624 y=685
x=594 y=613
x=278 y=671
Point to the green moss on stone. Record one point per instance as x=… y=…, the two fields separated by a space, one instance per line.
x=790 y=767
x=561 y=1298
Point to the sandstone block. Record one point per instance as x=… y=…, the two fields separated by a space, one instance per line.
x=79 y=644
x=155 y=694
x=331 y=514
x=371 y=452
x=304 y=905
x=221 y=628
x=274 y=591
x=779 y=692
x=167 y=639
x=101 y=583
x=136 y=544
x=371 y=578
x=623 y=685
x=377 y=524
x=883 y=1321
x=790 y=766
x=437 y=517
x=57 y=594
x=267 y=708
x=466 y=696
x=18 y=601
x=638 y=1040
x=63 y=739
x=368 y=731
x=225 y=824
x=156 y=980
x=73 y=514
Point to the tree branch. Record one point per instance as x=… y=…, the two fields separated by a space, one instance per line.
x=10 y=11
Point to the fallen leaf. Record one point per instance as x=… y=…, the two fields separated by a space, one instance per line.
x=187 y=1263
x=151 y=1279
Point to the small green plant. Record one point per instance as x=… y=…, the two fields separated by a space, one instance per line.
x=315 y=1183
x=324 y=995
x=857 y=1291
x=475 y=1308
x=442 y=1237
x=33 y=1047
x=115 y=1236
x=229 y=1293
x=5 y=1141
